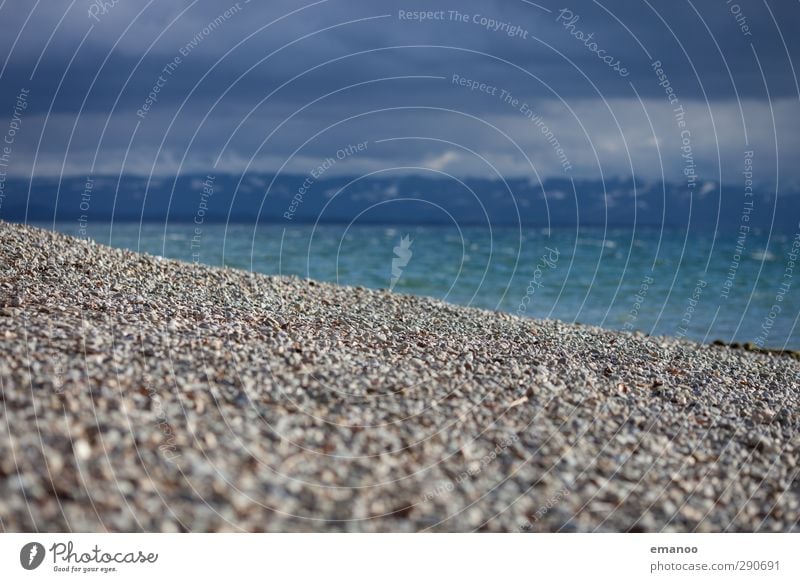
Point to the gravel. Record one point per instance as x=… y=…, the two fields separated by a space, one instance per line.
x=142 y=394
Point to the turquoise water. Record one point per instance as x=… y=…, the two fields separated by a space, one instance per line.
x=659 y=282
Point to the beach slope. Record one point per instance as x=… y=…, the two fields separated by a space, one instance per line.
x=141 y=394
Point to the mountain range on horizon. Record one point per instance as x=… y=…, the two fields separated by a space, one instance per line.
x=400 y=199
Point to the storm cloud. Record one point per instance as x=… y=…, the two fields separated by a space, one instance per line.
x=513 y=88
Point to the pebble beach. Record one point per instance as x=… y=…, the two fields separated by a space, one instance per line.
x=144 y=394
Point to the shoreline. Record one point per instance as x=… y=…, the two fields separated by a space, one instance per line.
x=784 y=341
x=145 y=394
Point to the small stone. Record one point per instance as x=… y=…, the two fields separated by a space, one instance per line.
x=759 y=442
x=82 y=450
x=763 y=415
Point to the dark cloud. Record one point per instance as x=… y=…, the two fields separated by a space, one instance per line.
x=286 y=71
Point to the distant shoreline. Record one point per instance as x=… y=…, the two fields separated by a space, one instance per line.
x=403 y=199
x=248 y=221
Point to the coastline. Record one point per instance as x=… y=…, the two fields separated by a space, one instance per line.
x=142 y=394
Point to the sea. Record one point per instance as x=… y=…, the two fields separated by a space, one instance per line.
x=707 y=286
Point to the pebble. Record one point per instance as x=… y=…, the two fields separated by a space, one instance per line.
x=173 y=397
